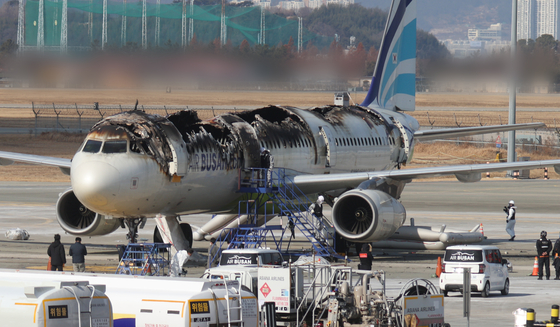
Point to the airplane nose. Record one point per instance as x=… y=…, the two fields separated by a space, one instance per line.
x=95 y=183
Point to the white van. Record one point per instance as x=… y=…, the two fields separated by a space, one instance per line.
x=251 y=256
x=489 y=271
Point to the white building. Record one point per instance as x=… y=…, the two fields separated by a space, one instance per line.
x=547 y=17
x=494 y=33
x=526 y=19
x=537 y=17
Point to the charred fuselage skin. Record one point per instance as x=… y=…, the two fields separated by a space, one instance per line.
x=180 y=164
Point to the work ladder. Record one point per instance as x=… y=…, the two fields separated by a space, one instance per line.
x=230 y=308
x=145 y=259
x=79 y=303
x=270 y=193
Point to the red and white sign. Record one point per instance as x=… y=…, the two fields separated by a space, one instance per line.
x=265 y=290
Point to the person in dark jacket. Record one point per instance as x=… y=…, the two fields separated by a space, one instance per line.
x=78 y=251
x=544 y=246
x=57 y=254
x=366 y=258
x=556 y=255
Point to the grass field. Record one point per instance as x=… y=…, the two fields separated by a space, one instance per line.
x=425 y=154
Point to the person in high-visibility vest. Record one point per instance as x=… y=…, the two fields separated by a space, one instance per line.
x=556 y=254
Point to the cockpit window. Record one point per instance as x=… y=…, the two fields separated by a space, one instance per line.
x=115 y=146
x=92 y=146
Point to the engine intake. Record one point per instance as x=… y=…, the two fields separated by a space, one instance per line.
x=76 y=219
x=367 y=215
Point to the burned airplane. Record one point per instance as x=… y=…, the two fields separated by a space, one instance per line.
x=134 y=166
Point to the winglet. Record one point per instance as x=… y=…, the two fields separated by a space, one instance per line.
x=393 y=85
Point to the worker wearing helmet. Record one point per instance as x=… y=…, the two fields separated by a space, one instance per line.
x=510 y=219
x=544 y=246
x=319 y=223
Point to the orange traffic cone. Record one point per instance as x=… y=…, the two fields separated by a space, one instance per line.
x=481 y=229
x=535 y=267
x=438 y=268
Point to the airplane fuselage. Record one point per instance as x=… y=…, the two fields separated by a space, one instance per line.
x=120 y=171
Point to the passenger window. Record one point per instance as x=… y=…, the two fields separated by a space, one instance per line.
x=92 y=146
x=116 y=146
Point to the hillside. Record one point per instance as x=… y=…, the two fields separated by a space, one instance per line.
x=446 y=19
x=450 y=19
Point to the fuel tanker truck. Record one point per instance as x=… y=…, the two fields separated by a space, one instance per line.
x=145 y=300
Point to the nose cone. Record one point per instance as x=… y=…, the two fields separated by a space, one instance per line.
x=96 y=184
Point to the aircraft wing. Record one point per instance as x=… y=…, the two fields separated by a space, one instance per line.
x=8 y=158
x=434 y=134
x=464 y=173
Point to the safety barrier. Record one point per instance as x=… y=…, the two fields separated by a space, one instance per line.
x=553 y=322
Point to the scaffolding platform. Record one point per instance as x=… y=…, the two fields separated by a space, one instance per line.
x=145 y=259
x=271 y=193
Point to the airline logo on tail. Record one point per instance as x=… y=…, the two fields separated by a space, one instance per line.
x=393 y=85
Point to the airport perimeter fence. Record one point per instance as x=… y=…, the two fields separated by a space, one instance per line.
x=41 y=118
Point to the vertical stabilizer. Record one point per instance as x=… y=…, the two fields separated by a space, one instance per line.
x=393 y=85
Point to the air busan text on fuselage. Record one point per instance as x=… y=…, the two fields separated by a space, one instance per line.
x=133 y=165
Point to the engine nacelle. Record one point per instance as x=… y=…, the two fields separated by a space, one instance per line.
x=76 y=219
x=367 y=215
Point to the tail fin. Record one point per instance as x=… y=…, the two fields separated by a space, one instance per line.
x=393 y=85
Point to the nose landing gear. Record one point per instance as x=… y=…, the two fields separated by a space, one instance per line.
x=133 y=224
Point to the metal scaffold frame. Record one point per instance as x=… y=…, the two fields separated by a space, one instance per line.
x=144 y=26
x=21 y=26
x=145 y=259
x=272 y=192
x=123 y=25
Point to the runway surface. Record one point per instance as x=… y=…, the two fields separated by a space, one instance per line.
x=31 y=206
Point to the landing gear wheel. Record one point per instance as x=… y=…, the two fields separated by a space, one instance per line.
x=486 y=291
x=505 y=291
x=133 y=224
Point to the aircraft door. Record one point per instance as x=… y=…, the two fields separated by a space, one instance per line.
x=250 y=144
x=330 y=143
x=405 y=152
x=178 y=148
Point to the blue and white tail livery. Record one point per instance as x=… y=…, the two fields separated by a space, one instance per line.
x=393 y=83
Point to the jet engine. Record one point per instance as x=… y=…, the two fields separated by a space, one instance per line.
x=76 y=219
x=367 y=215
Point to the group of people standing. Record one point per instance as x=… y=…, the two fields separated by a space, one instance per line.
x=544 y=249
x=544 y=246
x=57 y=255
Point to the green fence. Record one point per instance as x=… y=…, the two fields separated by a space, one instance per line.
x=242 y=23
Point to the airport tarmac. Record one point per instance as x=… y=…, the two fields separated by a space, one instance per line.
x=31 y=206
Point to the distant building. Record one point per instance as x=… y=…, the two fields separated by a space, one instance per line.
x=265 y=4
x=291 y=5
x=494 y=33
x=465 y=48
x=537 y=17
